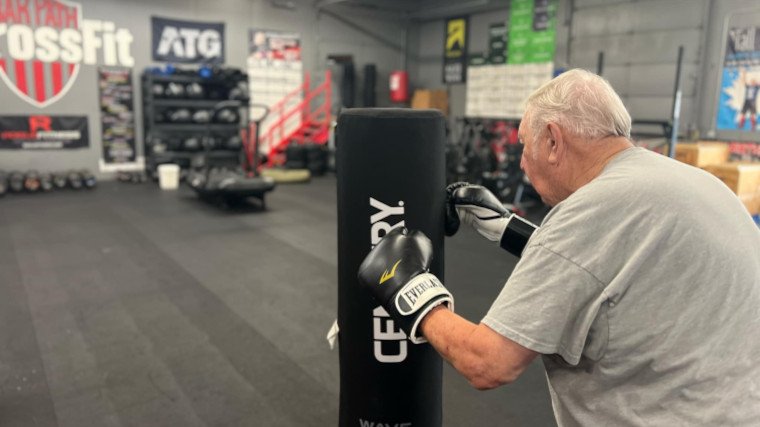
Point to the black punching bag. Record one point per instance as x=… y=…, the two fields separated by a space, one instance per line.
x=370 y=81
x=391 y=173
x=348 y=85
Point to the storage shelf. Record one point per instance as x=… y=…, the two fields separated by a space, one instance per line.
x=153 y=106
x=193 y=79
x=197 y=128
x=214 y=154
x=191 y=103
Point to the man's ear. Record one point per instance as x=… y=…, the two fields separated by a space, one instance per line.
x=557 y=143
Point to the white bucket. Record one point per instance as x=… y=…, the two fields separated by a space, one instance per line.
x=168 y=176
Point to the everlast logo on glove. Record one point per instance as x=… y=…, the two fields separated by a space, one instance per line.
x=187 y=41
x=418 y=292
x=383 y=337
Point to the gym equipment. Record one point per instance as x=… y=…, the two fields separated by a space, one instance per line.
x=316 y=158
x=88 y=179
x=205 y=72
x=157 y=145
x=32 y=181
x=287 y=176
x=46 y=182
x=75 y=180
x=226 y=115
x=348 y=85
x=169 y=69
x=180 y=115
x=202 y=116
x=391 y=172
x=370 y=81
x=59 y=180
x=234 y=143
x=3 y=183
x=295 y=156
x=209 y=142
x=16 y=181
x=131 y=177
x=192 y=144
x=414 y=252
x=194 y=90
x=224 y=181
x=157 y=89
x=479 y=207
x=174 y=90
x=239 y=92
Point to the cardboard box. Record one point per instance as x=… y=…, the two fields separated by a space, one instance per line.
x=701 y=154
x=741 y=177
x=425 y=98
x=751 y=202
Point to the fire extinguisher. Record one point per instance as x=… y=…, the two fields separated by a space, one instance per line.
x=399 y=85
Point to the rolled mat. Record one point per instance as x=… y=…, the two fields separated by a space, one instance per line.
x=391 y=172
x=286 y=176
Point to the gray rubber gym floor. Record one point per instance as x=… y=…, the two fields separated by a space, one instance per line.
x=129 y=306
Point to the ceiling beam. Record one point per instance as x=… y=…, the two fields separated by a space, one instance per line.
x=430 y=11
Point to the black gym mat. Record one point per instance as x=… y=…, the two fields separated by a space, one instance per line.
x=129 y=306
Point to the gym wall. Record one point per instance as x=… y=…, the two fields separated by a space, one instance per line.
x=723 y=14
x=320 y=35
x=427 y=61
x=640 y=40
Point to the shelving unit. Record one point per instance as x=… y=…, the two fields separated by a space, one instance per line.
x=171 y=135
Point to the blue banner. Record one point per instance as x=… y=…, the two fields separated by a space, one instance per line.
x=740 y=84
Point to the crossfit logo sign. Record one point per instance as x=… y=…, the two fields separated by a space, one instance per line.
x=187 y=41
x=390 y=342
x=44 y=42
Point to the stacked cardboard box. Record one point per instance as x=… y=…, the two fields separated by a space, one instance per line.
x=743 y=179
x=701 y=154
x=425 y=98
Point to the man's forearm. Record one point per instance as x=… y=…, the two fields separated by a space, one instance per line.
x=484 y=357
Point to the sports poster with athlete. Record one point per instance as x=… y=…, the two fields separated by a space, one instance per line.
x=740 y=88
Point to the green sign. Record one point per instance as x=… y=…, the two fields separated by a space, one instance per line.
x=531 y=31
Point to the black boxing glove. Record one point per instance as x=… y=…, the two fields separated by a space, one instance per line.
x=475 y=205
x=396 y=274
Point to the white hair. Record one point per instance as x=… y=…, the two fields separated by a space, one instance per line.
x=579 y=102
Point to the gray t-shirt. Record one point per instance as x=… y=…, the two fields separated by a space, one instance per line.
x=642 y=291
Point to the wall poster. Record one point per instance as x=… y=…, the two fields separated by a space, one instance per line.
x=43 y=132
x=740 y=83
x=275 y=70
x=498 y=90
x=455 y=51
x=117 y=119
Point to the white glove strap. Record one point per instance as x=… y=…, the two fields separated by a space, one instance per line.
x=418 y=292
x=488 y=223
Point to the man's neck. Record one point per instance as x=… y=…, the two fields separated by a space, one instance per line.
x=598 y=154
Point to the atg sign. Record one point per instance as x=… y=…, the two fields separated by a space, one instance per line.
x=187 y=41
x=44 y=42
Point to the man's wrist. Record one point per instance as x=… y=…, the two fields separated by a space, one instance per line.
x=436 y=311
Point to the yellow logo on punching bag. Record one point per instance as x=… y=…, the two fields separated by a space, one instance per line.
x=387 y=276
x=455 y=38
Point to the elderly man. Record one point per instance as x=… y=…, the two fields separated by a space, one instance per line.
x=641 y=288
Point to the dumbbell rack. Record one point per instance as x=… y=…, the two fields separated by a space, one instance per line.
x=153 y=128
